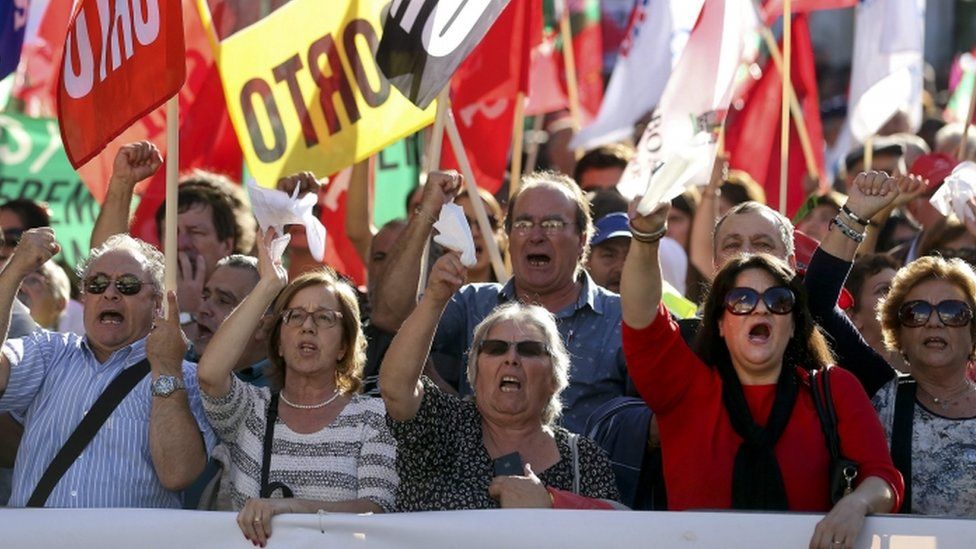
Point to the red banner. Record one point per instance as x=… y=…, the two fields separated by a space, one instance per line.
x=120 y=62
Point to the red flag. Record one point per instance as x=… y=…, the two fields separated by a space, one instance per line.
x=340 y=254
x=111 y=77
x=483 y=91
x=545 y=91
x=752 y=133
x=773 y=9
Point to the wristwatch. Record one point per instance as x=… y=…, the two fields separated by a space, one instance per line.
x=163 y=386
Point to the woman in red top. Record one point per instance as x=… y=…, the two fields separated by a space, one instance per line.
x=738 y=425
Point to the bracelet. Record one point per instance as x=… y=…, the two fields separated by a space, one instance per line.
x=647 y=238
x=854 y=217
x=424 y=215
x=846 y=229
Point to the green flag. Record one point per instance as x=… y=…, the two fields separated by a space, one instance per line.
x=397 y=171
x=33 y=165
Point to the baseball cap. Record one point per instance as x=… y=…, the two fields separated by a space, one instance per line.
x=612 y=225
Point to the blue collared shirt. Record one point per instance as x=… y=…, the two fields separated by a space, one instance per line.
x=54 y=380
x=590 y=328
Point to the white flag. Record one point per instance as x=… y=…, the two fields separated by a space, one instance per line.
x=695 y=100
x=886 y=71
x=656 y=36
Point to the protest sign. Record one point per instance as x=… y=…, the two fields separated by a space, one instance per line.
x=397 y=174
x=316 y=100
x=33 y=165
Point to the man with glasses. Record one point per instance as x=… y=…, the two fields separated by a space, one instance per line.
x=155 y=442
x=549 y=229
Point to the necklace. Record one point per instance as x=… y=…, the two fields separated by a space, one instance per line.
x=945 y=402
x=335 y=395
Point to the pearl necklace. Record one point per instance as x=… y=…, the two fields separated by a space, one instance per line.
x=335 y=395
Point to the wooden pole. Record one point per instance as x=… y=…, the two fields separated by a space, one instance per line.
x=569 y=61
x=784 y=135
x=965 y=129
x=432 y=162
x=518 y=142
x=533 y=156
x=172 y=192
x=868 y=153
x=479 y=208
x=795 y=111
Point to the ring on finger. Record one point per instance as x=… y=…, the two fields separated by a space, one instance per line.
x=258 y=519
x=837 y=542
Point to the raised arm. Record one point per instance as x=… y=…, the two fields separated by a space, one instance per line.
x=702 y=248
x=640 y=281
x=359 y=218
x=404 y=361
x=133 y=163
x=36 y=246
x=231 y=339
x=396 y=293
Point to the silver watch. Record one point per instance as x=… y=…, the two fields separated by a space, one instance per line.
x=163 y=386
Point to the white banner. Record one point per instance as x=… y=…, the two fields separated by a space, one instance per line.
x=168 y=529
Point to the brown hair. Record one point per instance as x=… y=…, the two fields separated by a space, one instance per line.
x=349 y=368
x=954 y=271
x=228 y=203
x=865 y=267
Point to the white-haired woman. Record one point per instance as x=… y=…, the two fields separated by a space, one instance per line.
x=502 y=449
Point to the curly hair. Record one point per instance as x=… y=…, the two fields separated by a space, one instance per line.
x=153 y=259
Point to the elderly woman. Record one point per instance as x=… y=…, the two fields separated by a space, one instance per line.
x=739 y=428
x=927 y=317
x=502 y=449
x=312 y=436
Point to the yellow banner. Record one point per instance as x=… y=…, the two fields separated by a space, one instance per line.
x=303 y=89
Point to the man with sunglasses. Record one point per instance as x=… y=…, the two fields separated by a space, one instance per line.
x=155 y=442
x=549 y=227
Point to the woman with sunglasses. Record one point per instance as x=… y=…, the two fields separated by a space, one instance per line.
x=739 y=428
x=311 y=436
x=927 y=317
x=502 y=449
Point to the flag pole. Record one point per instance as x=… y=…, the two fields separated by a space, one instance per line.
x=518 y=142
x=784 y=135
x=868 y=153
x=969 y=122
x=569 y=61
x=450 y=125
x=172 y=192
x=432 y=162
x=533 y=155
x=801 y=125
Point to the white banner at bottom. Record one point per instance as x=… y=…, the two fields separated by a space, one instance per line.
x=151 y=528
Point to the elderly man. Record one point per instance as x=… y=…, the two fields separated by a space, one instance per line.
x=155 y=441
x=549 y=229
x=46 y=292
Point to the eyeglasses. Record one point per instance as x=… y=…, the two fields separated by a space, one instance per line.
x=322 y=318
x=952 y=312
x=548 y=226
x=779 y=300
x=126 y=284
x=525 y=349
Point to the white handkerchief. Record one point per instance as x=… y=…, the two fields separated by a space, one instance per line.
x=671 y=179
x=274 y=208
x=953 y=196
x=454 y=233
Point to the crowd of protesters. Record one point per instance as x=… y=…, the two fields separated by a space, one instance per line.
x=829 y=367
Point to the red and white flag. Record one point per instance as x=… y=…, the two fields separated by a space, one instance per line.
x=654 y=40
x=773 y=9
x=120 y=61
x=695 y=100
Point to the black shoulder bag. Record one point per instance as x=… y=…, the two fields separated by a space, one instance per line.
x=901 y=435
x=83 y=434
x=842 y=470
x=269 y=488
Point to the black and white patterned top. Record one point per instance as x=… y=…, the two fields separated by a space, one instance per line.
x=443 y=463
x=943 y=458
x=353 y=457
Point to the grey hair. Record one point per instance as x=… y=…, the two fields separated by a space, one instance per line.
x=785 y=225
x=153 y=259
x=533 y=315
x=240 y=261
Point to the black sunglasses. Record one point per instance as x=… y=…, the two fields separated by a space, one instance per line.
x=525 y=349
x=126 y=284
x=952 y=312
x=779 y=300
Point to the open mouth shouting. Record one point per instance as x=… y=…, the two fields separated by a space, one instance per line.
x=760 y=333
x=538 y=260
x=510 y=384
x=110 y=318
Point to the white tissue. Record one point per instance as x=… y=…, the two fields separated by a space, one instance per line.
x=670 y=178
x=274 y=208
x=454 y=233
x=954 y=195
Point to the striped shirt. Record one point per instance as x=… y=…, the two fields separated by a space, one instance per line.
x=54 y=380
x=354 y=457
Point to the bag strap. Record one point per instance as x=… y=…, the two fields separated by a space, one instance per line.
x=86 y=430
x=268 y=488
x=901 y=435
x=574 y=450
x=824 y=405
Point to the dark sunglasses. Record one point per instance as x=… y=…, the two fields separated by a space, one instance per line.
x=779 y=300
x=952 y=312
x=126 y=284
x=525 y=349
